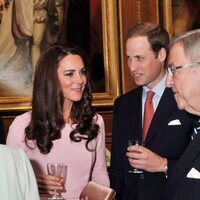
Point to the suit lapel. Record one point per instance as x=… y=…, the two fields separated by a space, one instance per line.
x=165 y=107
x=184 y=164
x=190 y=153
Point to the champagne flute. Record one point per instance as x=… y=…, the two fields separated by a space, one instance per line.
x=132 y=143
x=57 y=169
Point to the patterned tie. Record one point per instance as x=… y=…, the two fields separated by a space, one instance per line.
x=148 y=113
x=196 y=130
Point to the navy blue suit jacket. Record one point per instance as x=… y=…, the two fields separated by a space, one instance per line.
x=163 y=139
x=179 y=185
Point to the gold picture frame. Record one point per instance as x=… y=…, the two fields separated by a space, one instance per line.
x=179 y=16
x=166 y=11
x=111 y=65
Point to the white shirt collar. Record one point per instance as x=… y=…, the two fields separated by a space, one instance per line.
x=159 y=88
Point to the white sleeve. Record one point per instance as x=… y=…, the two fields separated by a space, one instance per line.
x=31 y=188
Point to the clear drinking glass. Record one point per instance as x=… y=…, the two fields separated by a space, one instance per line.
x=132 y=143
x=57 y=169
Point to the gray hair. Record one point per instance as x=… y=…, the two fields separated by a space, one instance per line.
x=191 y=44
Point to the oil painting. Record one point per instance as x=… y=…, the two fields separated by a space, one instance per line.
x=179 y=16
x=27 y=27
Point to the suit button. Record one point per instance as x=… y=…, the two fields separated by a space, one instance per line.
x=141 y=176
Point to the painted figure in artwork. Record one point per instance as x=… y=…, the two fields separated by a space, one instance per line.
x=24 y=32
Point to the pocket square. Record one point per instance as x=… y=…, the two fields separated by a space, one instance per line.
x=174 y=122
x=193 y=173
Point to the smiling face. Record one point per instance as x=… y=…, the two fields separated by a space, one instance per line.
x=72 y=78
x=185 y=83
x=146 y=68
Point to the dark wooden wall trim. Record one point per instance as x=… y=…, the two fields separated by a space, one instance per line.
x=108 y=116
x=7 y=118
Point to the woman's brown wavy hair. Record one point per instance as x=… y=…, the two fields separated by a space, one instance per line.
x=47 y=119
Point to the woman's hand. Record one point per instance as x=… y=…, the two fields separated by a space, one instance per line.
x=50 y=185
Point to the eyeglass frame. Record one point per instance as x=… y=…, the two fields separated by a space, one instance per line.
x=172 y=68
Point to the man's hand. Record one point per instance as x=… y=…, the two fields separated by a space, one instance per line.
x=142 y=158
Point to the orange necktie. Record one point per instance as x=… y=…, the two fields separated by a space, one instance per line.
x=148 y=113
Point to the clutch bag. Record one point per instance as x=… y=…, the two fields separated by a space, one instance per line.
x=94 y=191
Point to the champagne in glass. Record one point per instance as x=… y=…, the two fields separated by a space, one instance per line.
x=132 y=143
x=57 y=169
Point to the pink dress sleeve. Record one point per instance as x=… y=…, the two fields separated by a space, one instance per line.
x=15 y=136
x=100 y=174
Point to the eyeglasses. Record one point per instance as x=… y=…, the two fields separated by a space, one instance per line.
x=172 y=68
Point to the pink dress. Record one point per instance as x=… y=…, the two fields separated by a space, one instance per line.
x=77 y=157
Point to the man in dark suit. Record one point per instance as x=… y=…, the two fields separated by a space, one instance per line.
x=169 y=132
x=184 y=78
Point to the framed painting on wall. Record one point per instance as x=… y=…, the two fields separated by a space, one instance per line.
x=179 y=16
x=21 y=44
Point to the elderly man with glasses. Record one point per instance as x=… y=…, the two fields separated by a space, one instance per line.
x=184 y=78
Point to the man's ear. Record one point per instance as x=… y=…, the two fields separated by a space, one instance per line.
x=162 y=54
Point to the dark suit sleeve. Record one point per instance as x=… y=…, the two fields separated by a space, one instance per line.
x=171 y=165
x=116 y=169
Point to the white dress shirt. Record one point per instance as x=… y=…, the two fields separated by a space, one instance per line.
x=158 y=90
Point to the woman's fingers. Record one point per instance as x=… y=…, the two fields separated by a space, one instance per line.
x=48 y=184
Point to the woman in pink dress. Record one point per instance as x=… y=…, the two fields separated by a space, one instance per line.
x=62 y=126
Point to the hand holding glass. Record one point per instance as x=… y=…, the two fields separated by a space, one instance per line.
x=60 y=170
x=132 y=143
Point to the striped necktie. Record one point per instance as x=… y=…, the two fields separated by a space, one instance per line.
x=196 y=130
